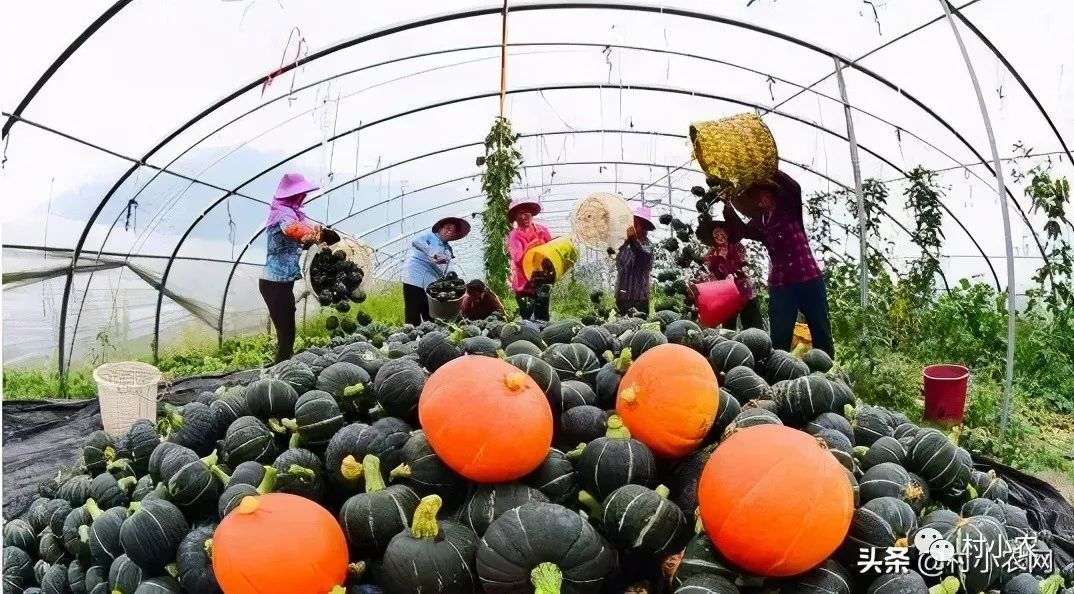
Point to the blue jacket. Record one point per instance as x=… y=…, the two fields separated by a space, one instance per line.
x=281 y=263
x=420 y=268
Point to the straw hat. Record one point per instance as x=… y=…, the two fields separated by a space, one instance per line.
x=705 y=227
x=293 y=184
x=462 y=225
x=533 y=207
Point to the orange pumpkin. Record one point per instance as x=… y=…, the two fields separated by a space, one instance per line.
x=486 y=419
x=279 y=543
x=668 y=399
x=774 y=501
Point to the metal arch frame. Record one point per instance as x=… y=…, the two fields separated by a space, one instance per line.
x=421 y=22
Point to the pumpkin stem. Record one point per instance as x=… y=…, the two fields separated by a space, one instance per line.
x=608 y=357
x=425 y=525
x=401 y=471
x=350 y=468
x=295 y=441
x=799 y=350
x=628 y=395
x=575 y=453
x=624 y=360
x=301 y=472
x=616 y=428
x=902 y=543
x=515 y=381
x=662 y=491
x=337 y=590
x=1052 y=585
x=220 y=475
x=860 y=451
x=208 y=546
x=593 y=507
x=546 y=579
x=850 y=412
x=971 y=490
x=353 y=391
x=699 y=526
x=950 y=585
x=134 y=507
x=371 y=469
x=290 y=424
x=501 y=354
x=914 y=492
x=248 y=505
x=377 y=412
x=109 y=453
x=210 y=460
x=356 y=570
x=83 y=533
x=93 y=509
x=268 y=481
x=173 y=570
x=126 y=483
x=276 y=426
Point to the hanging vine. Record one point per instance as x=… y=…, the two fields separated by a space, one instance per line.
x=502 y=161
x=819 y=209
x=924 y=199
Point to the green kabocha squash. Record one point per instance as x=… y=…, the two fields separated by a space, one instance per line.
x=574 y=393
x=880 y=523
x=870 y=424
x=317 y=419
x=597 y=338
x=984 y=507
x=701 y=557
x=398 y=386
x=97 y=451
x=989 y=486
x=546 y=377
x=17 y=562
x=1017 y=522
x=686 y=333
x=56 y=511
x=37 y=515
x=300 y=472
x=707 y=584
x=818 y=361
x=726 y=412
x=830 y=420
x=151 y=535
x=19 y=533
x=371 y=519
x=757 y=341
x=159 y=585
x=606 y=383
x=50 y=547
x=744 y=384
x=572 y=361
x=481 y=345
x=168 y=459
x=563 y=553
x=138 y=444
x=522 y=347
x=515 y=331
x=645 y=339
x=40 y=567
x=365 y=355
x=637 y=517
x=424 y=471
x=248 y=439
x=248 y=473
x=783 y=366
x=581 y=424
x=728 y=355
x=751 y=417
x=891 y=480
x=295 y=373
x=435 y=349
x=384 y=439
x=829 y=578
x=228 y=409
x=937 y=460
x=685 y=477
x=1025 y=583
x=55 y=579
x=75 y=490
x=194 y=427
x=490 y=501
x=104 y=544
x=555 y=478
x=76 y=577
x=97 y=580
x=192 y=487
x=561 y=331
x=884 y=450
x=905 y=433
x=243 y=484
x=76 y=529
x=347 y=383
x=664 y=318
x=806 y=397
x=614 y=460
x=910 y=582
x=432 y=556
x=194 y=561
x=977 y=572
x=839 y=446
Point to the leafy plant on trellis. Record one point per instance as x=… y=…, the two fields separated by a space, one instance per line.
x=502 y=163
x=819 y=209
x=874 y=198
x=923 y=199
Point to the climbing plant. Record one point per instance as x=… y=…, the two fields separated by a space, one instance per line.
x=923 y=199
x=502 y=162
x=819 y=209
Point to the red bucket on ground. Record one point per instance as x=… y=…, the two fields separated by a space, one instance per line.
x=945 y=392
x=717 y=301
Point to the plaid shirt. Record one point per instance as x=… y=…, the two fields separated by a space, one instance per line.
x=783 y=234
x=731 y=263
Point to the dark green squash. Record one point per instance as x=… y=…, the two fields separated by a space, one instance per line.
x=55 y=580
x=829 y=578
x=806 y=397
x=555 y=478
x=770 y=405
x=515 y=331
x=1017 y=522
x=910 y=582
x=574 y=393
x=751 y=417
x=76 y=577
x=194 y=427
x=830 y=420
x=159 y=585
x=839 y=446
x=783 y=366
x=728 y=355
x=547 y=379
x=686 y=333
x=247 y=473
x=684 y=478
x=38 y=514
x=572 y=361
x=271 y=399
x=422 y=470
x=384 y=439
x=75 y=490
x=978 y=572
x=482 y=346
x=194 y=561
x=884 y=450
x=236 y=490
x=19 y=533
x=348 y=384
x=432 y=556
x=563 y=554
x=757 y=341
x=818 y=361
x=522 y=347
x=984 y=507
x=18 y=562
x=40 y=567
x=138 y=444
x=294 y=372
x=108 y=492
x=561 y=331
x=300 y=472
x=490 y=501
x=435 y=349
x=50 y=547
x=726 y=412
x=707 y=584
x=597 y=338
x=702 y=558
x=97 y=580
x=228 y=409
x=881 y=523
x=104 y=545
x=398 y=386
x=372 y=518
x=365 y=355
x=637 y=517
x=608 y=378
x=664 y=317
x=645 y=339
x=248 y=439
x=870 y=424
x=905 y=431
x=168 y=459
x=97 y=451
x=581 y=424
x=888 y=479
x=317 y=418
x=56 y=511
x=744 y=384
x=151 y=535
x=76 y=529
x=937 y=460
x=614 y=460
x=124 y=575
x=989 y=486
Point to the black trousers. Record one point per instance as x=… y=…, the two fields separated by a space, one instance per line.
x=623 y=306
x=811 y=299
x=749 y=317
x=415 y=305
x=280 y=299
x=535 y=305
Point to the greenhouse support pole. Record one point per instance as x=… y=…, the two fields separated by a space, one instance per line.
x=1003 y=208
x=855 y=164
x=503 y=59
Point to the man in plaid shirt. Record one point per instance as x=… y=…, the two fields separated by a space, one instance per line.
x=795 y=282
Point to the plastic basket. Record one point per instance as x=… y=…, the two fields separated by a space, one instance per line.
x=601 y=221
x=357 y=252
x=560 y=252
x=738 y=150
x=127 y=392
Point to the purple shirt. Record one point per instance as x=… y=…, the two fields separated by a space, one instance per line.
x=783 y=234
x=634 y=264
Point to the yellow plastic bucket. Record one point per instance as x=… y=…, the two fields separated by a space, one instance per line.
x=560 y=252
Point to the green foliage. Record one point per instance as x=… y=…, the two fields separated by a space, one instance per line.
x=923 y=199
x=22 y=384
x=502 y=163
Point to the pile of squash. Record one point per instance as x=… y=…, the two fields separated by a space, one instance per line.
x=637 y=455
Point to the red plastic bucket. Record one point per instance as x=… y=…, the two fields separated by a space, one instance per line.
x=717 y=301
x=945 y=392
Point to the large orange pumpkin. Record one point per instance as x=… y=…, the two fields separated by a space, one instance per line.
x=774 y=501
x=486 y=419
x=668 y=399
x=279 y=543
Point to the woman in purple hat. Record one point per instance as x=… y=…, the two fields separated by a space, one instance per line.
x=430 y=258
x=634 y=264
x=533 y=300
x=288 y=231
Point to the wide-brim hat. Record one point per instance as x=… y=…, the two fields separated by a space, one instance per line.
x=462 y=225
x=705 y=227
x=533 y=207
x=293 y=184
x=645 y=215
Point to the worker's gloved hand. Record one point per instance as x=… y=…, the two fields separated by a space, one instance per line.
x=329 y=236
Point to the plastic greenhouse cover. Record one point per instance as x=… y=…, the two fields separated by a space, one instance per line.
x=392 y=127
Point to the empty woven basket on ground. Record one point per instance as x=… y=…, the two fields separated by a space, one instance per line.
x=601 y=220
x=738 y=150
x=127 y=392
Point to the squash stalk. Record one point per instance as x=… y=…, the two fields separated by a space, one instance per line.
x=546 y=579
x=662 y=491
x=1051 y=585
x=209 y=461
x=575 y=453
x=109 y=453
x=401 y=471
x=616 y=428
x=93 y=509
x=208 y=546
x=173 y=570
x=371 y=469
x=220 y=475
x=290 y=424
x=350 y=468
x=353 y=391
x=593 y=507
x=276 y=426
x=301 y=472
x=950 y=585
x=268 y=481
x=622 y=363
x=425 y=524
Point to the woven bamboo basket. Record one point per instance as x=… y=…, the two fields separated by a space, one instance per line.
x=127 y=392
x=738 y=150
x=359 y=253
x=601 y=221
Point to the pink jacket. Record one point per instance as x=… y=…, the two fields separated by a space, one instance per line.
x=518 y=243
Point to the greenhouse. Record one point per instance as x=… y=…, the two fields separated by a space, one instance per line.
x=534 y=267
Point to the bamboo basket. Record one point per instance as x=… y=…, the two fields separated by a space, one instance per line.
x=601 y=221
x=738 y=150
